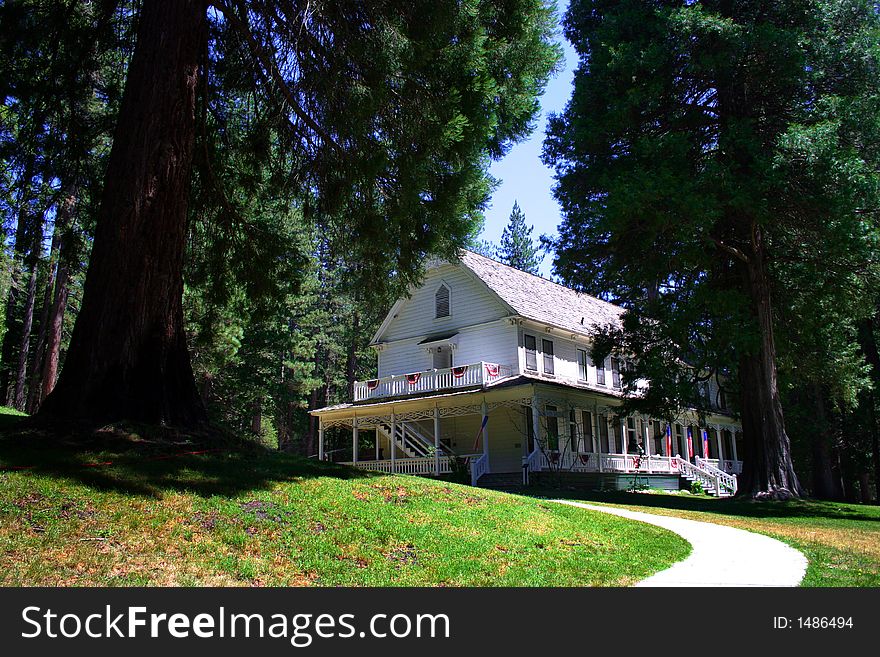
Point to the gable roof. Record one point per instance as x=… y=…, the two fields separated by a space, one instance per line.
x=528 y=296
x=541 y=300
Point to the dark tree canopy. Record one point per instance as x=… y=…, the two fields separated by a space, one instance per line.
x=376 y=121
x=712 y=152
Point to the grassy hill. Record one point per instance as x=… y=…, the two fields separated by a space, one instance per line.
x=136 y=512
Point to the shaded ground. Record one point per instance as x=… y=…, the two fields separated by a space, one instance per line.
x=841 y=541
x=134 y=509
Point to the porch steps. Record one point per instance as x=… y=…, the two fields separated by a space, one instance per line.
x=501 y=480
x=709 y=488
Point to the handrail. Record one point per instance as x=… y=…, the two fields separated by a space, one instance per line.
x=728 y=480
x=708 y=478
x=479 y=467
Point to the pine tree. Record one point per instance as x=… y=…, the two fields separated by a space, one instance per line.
x=517 y=249
x=387 y=114
x=706 y=148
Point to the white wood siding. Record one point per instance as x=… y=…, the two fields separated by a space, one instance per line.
x=477 y=315
x=494 y=343
x=470 y=303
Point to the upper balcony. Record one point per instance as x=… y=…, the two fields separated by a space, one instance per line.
x=449 y=378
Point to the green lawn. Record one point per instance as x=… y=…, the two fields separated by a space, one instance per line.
x=841 y=541
x=124 y=514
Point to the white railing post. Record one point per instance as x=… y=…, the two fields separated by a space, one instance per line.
x=393 y=442
x=354 y=441
x=320 y=439
x=436 y=440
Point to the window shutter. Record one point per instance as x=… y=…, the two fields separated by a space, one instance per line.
x=441 y=302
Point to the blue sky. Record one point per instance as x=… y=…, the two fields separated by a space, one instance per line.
x=523 y=176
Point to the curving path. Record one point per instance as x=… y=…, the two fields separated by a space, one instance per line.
x=721 y=556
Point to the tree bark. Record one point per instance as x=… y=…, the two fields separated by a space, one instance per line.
x=55 y=323
x=128 y=356
x=768 y=472
x=868 y=339
x=33 y=263
x=824 y=486
x=35 y=370
x=351 y=360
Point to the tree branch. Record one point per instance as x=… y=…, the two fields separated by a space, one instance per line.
x=259 y=53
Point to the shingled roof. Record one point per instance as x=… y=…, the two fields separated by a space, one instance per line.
x=542 y=300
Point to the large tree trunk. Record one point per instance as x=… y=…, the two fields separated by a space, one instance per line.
x=33 y=263
x=768 y=472
x=55 y=321
x=35 y=369
x=868 y=339
x=824 y=485
x=128 y=357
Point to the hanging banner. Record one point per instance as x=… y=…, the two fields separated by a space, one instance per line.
x=413 y=378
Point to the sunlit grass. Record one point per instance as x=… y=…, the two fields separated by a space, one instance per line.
x=255 y=517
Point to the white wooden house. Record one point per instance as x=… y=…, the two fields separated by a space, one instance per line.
x=488 y=367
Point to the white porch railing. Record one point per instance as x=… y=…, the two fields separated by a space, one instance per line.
x=724 y=482
x=416 y=466
x=460 y=376
x=531 y=463
x=713 y=480
x=479 y=467
x=596 y=462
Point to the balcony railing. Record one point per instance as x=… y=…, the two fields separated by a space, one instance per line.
x=449 y=378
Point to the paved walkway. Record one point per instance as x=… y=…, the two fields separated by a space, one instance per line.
x=721 y=556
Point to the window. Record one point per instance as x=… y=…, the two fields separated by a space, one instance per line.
x=547 y=348
x=615 y=373
x=582 y=364
x=587 y=420
x=442 y=358
x=552 y=429
x=531 y=345
x=441 y=302
x=530 y=428
x=600 y=373
x=658 y=436
x=632 y=436
x=602 y=426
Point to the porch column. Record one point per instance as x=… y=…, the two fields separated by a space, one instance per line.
x=485 y=411
x=436 y=440
x=354 y=441
x=624 y=437
x=377 y=444
x=733 y=443
x=320 y=439
x=599 y=436
x=720 y=446
x=393 y=442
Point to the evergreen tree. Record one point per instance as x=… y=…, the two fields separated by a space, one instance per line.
x=707 y=148
x=380 y=117
x=517 y=249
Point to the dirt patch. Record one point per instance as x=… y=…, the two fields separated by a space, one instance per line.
x=404 y=555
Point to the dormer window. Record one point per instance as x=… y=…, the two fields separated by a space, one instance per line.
x=441 y=302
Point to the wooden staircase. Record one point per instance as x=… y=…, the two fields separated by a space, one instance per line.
x=714 y=481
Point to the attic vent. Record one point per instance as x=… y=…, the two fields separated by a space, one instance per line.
x=441 y=302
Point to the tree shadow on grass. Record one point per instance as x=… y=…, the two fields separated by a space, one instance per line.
x=148 y=464
x=793 y=509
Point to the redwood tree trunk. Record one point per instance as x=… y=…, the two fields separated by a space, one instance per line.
x=824 y=485
x=28 y=316
x=128 y=357
x=55 y=321
x=768 y=472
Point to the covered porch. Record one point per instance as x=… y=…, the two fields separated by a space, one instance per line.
x=519 y=429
